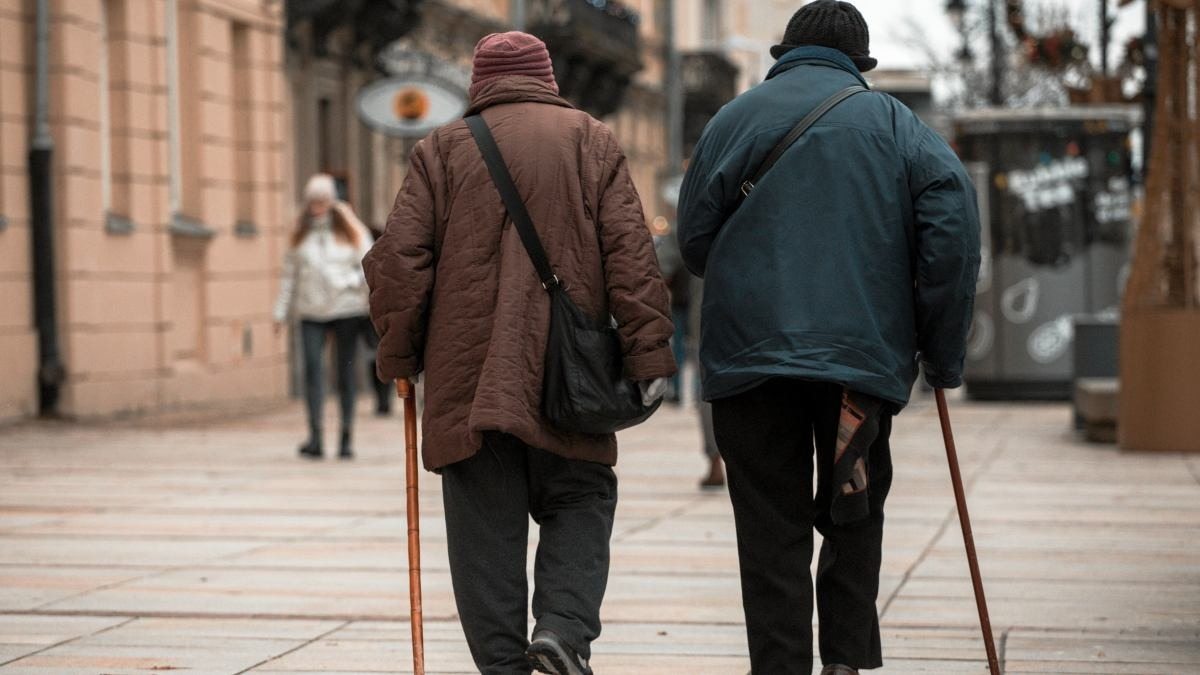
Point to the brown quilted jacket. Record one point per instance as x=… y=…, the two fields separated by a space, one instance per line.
x=453 y=293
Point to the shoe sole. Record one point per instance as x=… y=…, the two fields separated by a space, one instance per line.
x=547 y=658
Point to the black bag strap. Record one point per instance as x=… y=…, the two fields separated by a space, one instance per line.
x=512 y=200
x=796 y=132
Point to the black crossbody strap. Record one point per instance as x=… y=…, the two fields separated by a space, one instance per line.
x=512 y=199
x=796 y=132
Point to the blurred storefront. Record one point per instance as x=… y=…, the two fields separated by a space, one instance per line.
x=169 y=142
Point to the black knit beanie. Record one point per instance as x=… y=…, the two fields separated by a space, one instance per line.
x=828 y=23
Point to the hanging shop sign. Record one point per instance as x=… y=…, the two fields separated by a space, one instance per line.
x=422 y=94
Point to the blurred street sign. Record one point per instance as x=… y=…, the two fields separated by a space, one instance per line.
x=400 y=61
x=423 y=93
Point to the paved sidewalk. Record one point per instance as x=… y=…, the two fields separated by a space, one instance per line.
x=208 y=548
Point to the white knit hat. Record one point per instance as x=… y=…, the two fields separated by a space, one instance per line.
x=320 y=188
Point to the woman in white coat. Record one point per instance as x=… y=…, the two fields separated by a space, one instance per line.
x=324 y=288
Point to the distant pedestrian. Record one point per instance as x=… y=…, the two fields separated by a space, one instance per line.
x=848 y=262
x=383 y=390
x=454 y=295
x=679 y=282
x=323 y=286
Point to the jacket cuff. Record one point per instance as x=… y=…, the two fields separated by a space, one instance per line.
x=941 y=379
x=390 y=368
x=651 y=365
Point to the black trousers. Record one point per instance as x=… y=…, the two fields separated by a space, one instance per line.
x=767 y=437
x=489 y=499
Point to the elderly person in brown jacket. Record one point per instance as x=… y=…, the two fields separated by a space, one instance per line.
x=454 y=296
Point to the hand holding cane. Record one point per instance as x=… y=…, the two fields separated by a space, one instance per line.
x=408 y=394
x=960 y=498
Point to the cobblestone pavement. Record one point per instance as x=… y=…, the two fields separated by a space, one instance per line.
x=209 y=548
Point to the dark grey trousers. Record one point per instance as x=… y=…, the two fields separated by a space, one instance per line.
x=768 y=437
x=489 y=500
x=313 y=335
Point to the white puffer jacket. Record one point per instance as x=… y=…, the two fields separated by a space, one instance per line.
x=322 y=277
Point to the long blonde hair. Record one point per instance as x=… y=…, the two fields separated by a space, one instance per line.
x=343 y=229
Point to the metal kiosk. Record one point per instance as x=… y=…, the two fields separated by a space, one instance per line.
x=1056 y=191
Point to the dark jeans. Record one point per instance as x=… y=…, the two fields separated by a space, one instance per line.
x=313 y=335
x=679 y=316
x=489 y=499
x=383 y=390
x=767 y=437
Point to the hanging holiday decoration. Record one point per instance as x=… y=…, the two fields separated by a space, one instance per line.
x=1057 y=50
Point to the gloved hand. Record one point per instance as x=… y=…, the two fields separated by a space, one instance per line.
x=653 y=390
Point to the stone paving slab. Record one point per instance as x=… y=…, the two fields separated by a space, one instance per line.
x=127 y=548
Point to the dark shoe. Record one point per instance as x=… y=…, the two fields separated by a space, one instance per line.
x=383 y=410
x=312 y=450
x=346 y=451
x=838 y=669
x=549 y=654
x=715 y=480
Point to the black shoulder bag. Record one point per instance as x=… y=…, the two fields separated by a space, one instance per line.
x=795 y=134
x=584 y=389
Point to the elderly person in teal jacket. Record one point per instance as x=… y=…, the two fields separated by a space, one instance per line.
x=851 y=261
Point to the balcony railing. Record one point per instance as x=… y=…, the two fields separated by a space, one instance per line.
x=376 y=23
x=709 y=82
x=595 y=47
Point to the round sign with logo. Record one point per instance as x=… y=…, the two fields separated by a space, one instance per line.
x=410 y=106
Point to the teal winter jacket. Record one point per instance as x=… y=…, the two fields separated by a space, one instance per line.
x=853 y=259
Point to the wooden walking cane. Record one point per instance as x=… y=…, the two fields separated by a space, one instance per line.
x=960 y=498
x=408 y=394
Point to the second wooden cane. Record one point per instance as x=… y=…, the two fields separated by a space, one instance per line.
x=408 y=394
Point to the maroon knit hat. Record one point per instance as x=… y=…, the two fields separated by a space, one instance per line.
x=514 y=53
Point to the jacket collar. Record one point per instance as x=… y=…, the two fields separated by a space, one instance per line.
x=813 y=55
x=513 y=89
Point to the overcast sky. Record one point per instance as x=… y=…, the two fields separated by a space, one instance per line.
x=891 y=35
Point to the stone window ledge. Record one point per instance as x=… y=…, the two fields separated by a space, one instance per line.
x=115 y=223
x=183 y=226
x=245 y=229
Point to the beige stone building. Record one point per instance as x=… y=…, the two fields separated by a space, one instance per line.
x=183 y=130
x=18 y=340
x=170 y=132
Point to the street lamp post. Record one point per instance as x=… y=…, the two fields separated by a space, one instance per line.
x=957 y=11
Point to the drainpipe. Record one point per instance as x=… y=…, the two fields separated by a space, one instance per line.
x=674 y=90
x=520 y=13
x=174 y=140
x=41 y=201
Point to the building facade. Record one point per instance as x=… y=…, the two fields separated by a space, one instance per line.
x=18 y=337
x=170 y=146
x=183 y=130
